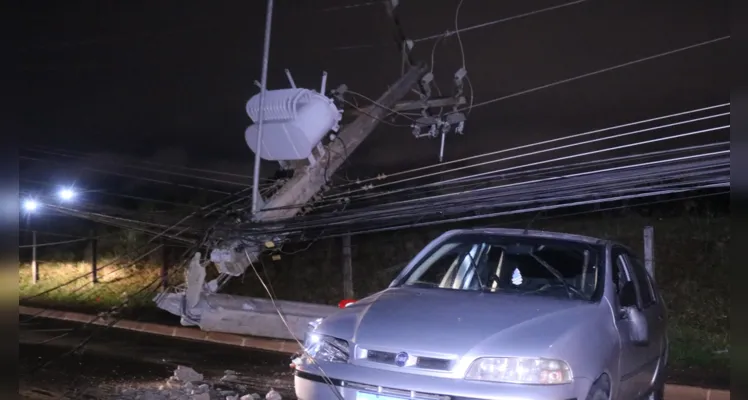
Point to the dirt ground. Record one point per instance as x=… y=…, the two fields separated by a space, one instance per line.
x=129 y=366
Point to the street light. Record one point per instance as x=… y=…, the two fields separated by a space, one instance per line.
x=30 y=205
x=66 y=194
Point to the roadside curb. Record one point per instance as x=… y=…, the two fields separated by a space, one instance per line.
x=275 y=345
x=681 y=392
x=674 y=392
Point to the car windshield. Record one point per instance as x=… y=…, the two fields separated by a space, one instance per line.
x=516 y=264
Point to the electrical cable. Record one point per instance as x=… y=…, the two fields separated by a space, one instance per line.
x=324 y=375
x=367 y=113
x=439 y=207
x=126 y=196
x=486 y=203
x=501 y=175
x=526 y=210
x=494 y=172
x=145 y=162
x=101 y=171
x=28 y=246
x=380 y=105
x=541 y=172
x=600 y=71
x=157 y=171
x=557 y=177
x=499 y=21
x=209 y=209
x=550 y=141
x=559 y=148
x=427 y=204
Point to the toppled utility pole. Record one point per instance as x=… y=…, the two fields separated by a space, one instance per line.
x=307 y=181
x=253 y=316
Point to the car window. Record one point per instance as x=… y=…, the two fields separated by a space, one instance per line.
x=643 y=281
x=620 y=271
x=528 y=265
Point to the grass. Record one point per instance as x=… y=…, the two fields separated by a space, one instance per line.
x=691 y=267
x=74 y=289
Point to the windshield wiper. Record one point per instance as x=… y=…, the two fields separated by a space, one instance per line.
x=570 y=291
x=423 y=284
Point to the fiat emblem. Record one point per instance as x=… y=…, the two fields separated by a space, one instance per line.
x=401 y=358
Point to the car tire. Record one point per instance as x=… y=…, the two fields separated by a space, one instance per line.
x=658 y=393
x=598 y=391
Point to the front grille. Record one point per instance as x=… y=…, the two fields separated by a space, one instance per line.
x=434 y=363
x=396 y=392
x=381 y=357
x=385 y=357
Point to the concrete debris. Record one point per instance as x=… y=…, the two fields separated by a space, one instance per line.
x=229 y=377
x=204 y=388
x=187 y=374
x=273 y=395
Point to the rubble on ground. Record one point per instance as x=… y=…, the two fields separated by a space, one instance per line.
x=188 y=384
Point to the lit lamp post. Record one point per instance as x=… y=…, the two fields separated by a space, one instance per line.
x=67 y=194
x=31 y=205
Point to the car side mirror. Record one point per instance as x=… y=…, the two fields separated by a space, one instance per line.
x=638 y=326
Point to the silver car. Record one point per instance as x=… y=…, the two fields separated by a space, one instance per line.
x=497 y=314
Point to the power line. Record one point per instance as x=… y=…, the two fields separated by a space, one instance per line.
x=544 y=142
x=101 y=171
x=646 y=177
x=126 y=196
x=556 y=177
x=551 y=150
x=153 y=170
x=600 y=71
x=497 y=21
x=145 y=162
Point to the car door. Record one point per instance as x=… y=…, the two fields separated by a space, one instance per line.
x=635 y=358
x=654 y=311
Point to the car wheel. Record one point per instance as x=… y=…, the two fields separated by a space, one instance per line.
x=599 y=391
x=658 y=393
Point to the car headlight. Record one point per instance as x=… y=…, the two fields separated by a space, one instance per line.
x=539 y=371
x=326 y=348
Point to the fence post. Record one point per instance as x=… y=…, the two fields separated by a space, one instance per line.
x=34 y=265
x=347 y=268
x=649 y=255
x=164 y=265
x=94 y=257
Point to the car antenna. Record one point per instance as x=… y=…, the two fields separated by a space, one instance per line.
x=534 y=217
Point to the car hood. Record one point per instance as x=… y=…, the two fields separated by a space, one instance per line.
x=456 y=323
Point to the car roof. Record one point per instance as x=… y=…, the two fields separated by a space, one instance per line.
x=531 y=233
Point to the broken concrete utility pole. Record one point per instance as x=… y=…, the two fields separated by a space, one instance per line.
x=201 y=305
x=308 y=181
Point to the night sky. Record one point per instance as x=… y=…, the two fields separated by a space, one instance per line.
x=168 y=80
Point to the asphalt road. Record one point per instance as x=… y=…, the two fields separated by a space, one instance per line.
x=114 y=362
x=124 y=365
